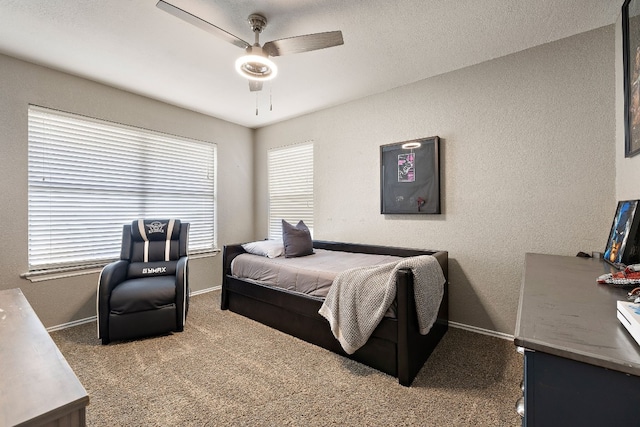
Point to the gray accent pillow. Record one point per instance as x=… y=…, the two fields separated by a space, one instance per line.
x=297 y=240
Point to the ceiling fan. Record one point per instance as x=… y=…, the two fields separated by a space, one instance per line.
x=255 y=65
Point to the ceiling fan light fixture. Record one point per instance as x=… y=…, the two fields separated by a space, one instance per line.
x=256 y=67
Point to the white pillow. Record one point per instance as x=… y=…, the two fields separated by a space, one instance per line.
x=268 y=248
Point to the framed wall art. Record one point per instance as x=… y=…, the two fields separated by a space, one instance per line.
x=622 y=246
x=410 y=177
x=631 y=63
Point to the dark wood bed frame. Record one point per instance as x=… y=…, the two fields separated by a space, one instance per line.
x=396 y=346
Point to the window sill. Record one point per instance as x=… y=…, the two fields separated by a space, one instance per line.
x=73 y=271
x=61 y=273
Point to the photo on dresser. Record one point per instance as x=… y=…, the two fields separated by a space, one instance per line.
x=622 y=246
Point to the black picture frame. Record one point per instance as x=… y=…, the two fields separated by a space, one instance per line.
x=410 y=177
x=631 y=64
x=622 y=247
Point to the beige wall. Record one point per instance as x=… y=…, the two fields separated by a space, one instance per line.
x=527 y=156
x=528 y=166
x=64 y=300
x=627 y=169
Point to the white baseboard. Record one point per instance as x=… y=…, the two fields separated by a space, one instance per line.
x=72 y=324
x=469 y=328
x=204 y=291
x=482 y=331
x=93 y=318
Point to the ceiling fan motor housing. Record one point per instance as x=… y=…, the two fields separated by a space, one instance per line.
x=257 y=22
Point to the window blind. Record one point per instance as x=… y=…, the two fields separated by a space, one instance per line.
x=88 y=177
x=290 y=176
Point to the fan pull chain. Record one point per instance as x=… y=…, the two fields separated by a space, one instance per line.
x=256 y=103
x=270 y=99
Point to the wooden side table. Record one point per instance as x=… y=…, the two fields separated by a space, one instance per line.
x=37 y=385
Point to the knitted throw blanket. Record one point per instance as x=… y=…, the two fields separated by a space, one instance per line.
x=360 y=297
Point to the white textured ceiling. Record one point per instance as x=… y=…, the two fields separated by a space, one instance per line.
x=133 y=45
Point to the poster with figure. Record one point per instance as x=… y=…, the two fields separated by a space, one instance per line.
x=631 y=61
x=406 y=168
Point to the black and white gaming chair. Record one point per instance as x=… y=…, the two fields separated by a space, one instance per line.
x=146 y=292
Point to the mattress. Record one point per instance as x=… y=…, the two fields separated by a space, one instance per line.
x=310 y=275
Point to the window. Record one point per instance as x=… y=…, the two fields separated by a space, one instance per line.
x=290 y=171
x=88 y=177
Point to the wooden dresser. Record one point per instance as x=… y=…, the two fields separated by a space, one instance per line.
x=37 y=385
x=581 y=366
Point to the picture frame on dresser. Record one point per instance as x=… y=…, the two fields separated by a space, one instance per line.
x=631 y=67
x=410 y=177
x=623 y=247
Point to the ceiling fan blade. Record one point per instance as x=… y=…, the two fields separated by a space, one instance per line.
x=304 y=43
x=255 y=86
x=202 y=24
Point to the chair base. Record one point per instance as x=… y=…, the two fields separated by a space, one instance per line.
x=141 y=324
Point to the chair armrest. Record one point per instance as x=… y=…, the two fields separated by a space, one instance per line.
x=182 y=290
x=112 y=274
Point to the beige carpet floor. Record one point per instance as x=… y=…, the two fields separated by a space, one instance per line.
x=227 y=370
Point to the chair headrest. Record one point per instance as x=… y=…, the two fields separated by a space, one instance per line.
x=152 y=230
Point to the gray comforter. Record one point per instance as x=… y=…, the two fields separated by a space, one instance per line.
x=310 y=275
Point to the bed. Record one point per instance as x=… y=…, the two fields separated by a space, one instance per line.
x=396 y=347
